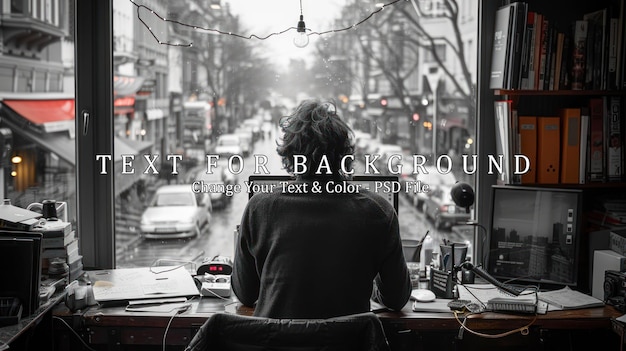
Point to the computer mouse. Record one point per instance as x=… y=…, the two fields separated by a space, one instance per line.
x=423 y=295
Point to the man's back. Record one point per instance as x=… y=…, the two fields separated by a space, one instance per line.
x=315 y=255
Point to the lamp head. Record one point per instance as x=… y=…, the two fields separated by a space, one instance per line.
x=462 y=195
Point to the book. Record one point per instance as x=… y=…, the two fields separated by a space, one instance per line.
x=579 y=54
x=528 y=52
x=543 y=53
x=567 y=299
x=584 y=145
x=502 y=46
x=53 y=229
x=548 y=149
x=614 y=139
x=513 y=76
x=570 y=145
x=596 y=140
x=528 y=146
x=596 y=69
x=57 y=241
x=533 y=75
x=61 y=251
x=555 y=79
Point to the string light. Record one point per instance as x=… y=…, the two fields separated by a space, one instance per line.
x=301 y=28
x=301 y=39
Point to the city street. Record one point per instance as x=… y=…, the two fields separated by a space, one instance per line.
x=132 y=251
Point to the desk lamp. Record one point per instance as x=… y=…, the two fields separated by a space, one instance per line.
x=463 y=196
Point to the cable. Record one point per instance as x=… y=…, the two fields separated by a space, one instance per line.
x=180 y=310
x=525 y=330
x=73 y=332
x=156 y=262
x=248 y=37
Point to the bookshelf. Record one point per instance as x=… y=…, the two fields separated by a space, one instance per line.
x=549 y=100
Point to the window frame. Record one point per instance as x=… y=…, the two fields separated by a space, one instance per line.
x=93 y=48
x=94 y=95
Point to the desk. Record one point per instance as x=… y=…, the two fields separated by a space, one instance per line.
x=113 y=328
x=14 y=336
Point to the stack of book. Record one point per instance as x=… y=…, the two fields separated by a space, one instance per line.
x=59 y=243
x=535 y=51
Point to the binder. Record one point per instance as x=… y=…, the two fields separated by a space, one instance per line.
x=548 y=149
x=584 y=145
x=570 y=145
x=528 y=146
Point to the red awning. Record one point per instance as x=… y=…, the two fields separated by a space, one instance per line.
x=43 y=111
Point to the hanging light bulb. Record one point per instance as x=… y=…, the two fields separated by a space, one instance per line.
x=301 y=39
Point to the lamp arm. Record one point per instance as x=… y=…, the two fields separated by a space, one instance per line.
x=488 y=277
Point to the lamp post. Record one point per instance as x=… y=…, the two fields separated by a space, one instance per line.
x=433 y=75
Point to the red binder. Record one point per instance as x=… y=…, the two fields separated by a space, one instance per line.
x=548 y=149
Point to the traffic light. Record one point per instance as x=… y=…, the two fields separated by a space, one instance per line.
x=384 y=102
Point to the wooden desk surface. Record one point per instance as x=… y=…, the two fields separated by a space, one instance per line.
x=201 y=309
x=109 y=328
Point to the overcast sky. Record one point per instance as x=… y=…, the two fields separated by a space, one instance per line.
x=263 y=17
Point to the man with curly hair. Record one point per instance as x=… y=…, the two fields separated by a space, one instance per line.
x=318 y=254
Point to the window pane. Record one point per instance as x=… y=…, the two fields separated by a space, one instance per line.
x=197 y=78
x=38 y=156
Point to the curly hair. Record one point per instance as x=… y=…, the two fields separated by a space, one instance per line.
x=314 y=130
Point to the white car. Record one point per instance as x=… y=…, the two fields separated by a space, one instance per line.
x=175 y=211
x=228 y=144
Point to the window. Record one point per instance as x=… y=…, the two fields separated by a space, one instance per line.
x=225 y=80
x=37 y=133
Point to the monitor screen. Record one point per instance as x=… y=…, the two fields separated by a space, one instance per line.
x=535 y=235
x=386 y=186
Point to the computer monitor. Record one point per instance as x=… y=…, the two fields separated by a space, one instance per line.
x=534 y=235
x=385 y=185
x=20 y=260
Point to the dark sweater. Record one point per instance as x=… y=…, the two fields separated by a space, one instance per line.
x=316 y=255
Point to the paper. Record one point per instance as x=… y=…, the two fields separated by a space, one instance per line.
x=483 y=293
x=566 y=299
x=439 y=305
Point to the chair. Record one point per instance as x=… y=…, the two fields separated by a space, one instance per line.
x=231 y=332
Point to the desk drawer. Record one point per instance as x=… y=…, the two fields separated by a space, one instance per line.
x=139 y=336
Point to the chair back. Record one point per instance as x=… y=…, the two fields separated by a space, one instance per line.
x=231 y=332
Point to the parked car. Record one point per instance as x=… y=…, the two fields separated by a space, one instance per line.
x=175 y=211
x=254 y=125
x=218 y=179
x=441 y=209
x=361 y=140
x=246 y=140
x=434 y=179
x=228 y=144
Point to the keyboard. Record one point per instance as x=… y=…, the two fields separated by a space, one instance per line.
x=509 y=305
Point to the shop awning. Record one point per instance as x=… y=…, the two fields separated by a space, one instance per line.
x=48 y=115
x=59 y=143
x=126 y=85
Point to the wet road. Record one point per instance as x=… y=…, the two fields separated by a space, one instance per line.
x=218 y=239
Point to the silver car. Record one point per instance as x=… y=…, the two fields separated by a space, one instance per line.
x=174 y=212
